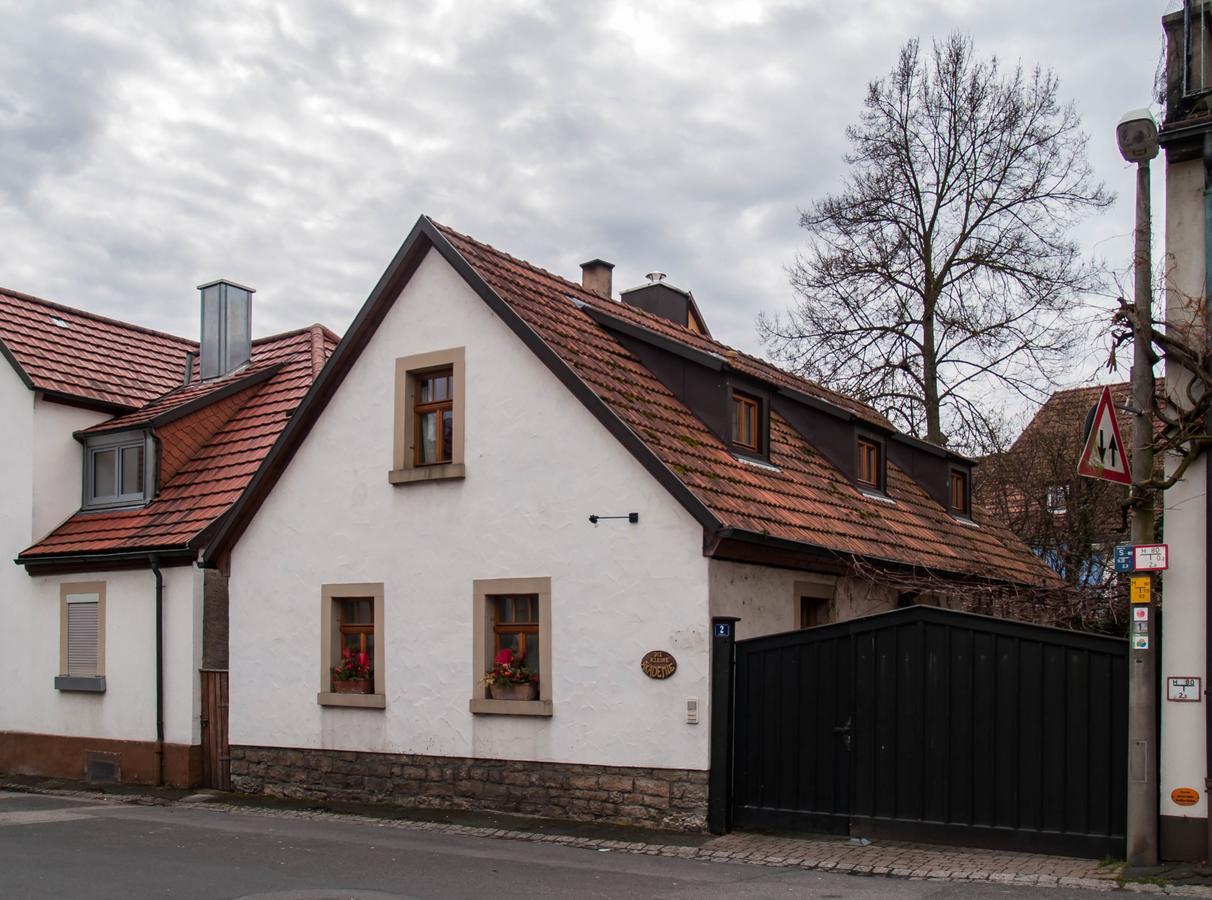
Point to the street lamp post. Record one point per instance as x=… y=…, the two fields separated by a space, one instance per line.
x=1136 y=135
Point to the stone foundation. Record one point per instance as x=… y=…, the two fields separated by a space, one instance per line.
x=670 y=799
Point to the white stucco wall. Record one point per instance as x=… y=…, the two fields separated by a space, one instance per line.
x=60 y=461
x=538 y=464
x=16 y=516
x=127 y=709
x=1183 y=761
x=767 y=600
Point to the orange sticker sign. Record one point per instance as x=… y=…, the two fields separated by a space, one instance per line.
x=1185 y=796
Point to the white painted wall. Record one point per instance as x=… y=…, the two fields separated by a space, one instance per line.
x=1183 y=762
x=16 y=516
x=537 y=465
x=59 y=466
x=767 y=601
x=127 y=709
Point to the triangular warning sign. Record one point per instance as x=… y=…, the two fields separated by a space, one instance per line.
x=1104 y=455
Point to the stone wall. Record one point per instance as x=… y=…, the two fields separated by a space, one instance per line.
x=671 y=799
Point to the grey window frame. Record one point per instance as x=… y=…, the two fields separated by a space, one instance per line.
x=118 y=442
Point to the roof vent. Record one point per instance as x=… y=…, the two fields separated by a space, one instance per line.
x=226 y=327
x=663 y=299
x=59 y=323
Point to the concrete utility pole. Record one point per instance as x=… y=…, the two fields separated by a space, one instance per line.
x=1137 y=138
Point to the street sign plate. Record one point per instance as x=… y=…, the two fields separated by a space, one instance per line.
x=1142 y=589
x=1150 y=557
x=1123 y=557
x=1183 y=689
x=1103 y=456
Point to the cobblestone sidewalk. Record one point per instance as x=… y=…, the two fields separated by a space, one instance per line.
x=888 y=859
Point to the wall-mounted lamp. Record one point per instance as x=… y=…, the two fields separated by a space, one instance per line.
x=630 y=517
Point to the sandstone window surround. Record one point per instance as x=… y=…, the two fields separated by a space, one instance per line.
x=410 y=464
x=332 y=635
x=484 y=640
x=81 y=637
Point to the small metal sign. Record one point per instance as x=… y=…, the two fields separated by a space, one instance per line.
x=658 y=664
x=723 y=629
x=1185 y=796
x=1142 y=589
x=1139 y=627
x=1183 y=688
x=1123 y=558
x=1140 y=614
x=1140 y=642
x=1149 y=557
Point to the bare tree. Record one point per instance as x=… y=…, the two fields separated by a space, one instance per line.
x=944 y=268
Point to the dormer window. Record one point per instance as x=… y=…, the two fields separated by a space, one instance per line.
x=116 y=470
x=959 y=493
x=870 y=464
x=746 y=429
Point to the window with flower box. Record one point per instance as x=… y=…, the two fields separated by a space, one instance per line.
x=512 y=646
x=352 y=664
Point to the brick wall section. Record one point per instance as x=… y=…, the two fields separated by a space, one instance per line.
x=670 y=799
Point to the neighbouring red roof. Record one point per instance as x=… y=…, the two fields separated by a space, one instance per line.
x=86 y=357
x=225 y=451
x=806 y=499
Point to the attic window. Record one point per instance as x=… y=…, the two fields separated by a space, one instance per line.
x=117 y=470
x=870 y=464
x=745 y=424
x=959 y=493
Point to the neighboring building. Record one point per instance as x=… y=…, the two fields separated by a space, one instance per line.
x=123 y=448
x=496 y=457
x=1186 y=762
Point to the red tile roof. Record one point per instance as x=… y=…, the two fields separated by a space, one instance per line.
x=89 y=358
x=806 y=499
x=209 y=455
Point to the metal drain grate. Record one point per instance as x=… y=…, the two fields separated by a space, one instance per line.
x=102 y=767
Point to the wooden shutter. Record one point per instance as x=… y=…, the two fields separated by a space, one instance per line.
x=82 y=637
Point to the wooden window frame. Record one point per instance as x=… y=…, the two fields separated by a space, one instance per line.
x=484 y=645
x=331 y=628
x=405 y=443
x=960 y=477
x=754 y=405
x=422 y=408
x=521 y=629
x=818 y=594
x=878 y=483
x=65 y=680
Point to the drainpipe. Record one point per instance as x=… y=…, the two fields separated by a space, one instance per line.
x=155 y=567
x=1208 y=498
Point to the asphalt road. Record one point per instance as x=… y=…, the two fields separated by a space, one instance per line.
x=67 y=847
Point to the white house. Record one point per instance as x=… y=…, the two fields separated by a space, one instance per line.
x=124 y=446
x=497 y=457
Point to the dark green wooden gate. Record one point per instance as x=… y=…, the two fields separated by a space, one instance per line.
x=930 y=725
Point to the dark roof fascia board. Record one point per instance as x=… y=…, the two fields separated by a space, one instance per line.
x=816 y=403
x=583 y=392
x=232 y=523
x=65 y=563
x=630 y=329
x=185 y=409
x=17 y=367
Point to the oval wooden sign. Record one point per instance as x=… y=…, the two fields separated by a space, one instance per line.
x=658 y=664
x=1185 y=796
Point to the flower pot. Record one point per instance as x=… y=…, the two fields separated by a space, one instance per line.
x=351 y=686
x=525 y=691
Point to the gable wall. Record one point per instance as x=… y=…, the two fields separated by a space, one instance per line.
x=16 y=523
x=538 y=464
x=59 y=471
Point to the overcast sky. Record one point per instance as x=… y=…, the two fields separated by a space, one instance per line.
x=148 y=147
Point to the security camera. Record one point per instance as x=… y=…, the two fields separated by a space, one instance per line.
x=1136 y=135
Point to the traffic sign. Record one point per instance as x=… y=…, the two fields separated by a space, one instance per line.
x=1124 y=558
x=1149 y=557
x=1103 y=456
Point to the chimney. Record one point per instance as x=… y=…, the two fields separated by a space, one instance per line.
x=596 y=275
x=226 y=327
x=663 y=299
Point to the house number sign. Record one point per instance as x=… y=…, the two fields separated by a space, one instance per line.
x=658 y=664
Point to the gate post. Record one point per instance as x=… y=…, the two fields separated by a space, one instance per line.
x=719 y=779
